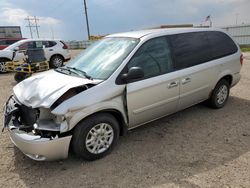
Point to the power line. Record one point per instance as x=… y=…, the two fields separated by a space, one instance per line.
x=87 y=20
x=32 y=23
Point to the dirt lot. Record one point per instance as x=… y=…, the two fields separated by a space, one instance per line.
x=198 y=147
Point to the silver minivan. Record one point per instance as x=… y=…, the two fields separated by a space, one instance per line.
x=121 y=82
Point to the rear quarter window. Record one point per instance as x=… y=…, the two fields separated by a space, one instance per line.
x=221 y=44
x=49 y=44
x=189 y=49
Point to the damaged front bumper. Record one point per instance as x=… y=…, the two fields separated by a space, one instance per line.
x=33 y=145
x=38 y=148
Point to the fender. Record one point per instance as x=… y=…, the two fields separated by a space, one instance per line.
x=223 y=74
x=115 y=104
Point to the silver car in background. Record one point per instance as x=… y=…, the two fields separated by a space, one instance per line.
x=117 y=84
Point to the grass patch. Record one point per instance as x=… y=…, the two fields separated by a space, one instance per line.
x=245 y=49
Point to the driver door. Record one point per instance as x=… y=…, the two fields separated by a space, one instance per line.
x=20 y=54
x=157 y=94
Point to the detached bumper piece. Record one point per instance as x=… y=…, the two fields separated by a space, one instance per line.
x=40 y=149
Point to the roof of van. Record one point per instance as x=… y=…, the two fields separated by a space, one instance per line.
x=142 y=33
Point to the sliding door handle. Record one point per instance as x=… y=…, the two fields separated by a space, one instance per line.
x=186 y=80
x=173 y=84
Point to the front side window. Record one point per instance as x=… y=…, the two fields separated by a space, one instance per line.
x=153 y=57
x=102 y=58
x=25 y=45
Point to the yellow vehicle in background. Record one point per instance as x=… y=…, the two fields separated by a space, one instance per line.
x=34 y=61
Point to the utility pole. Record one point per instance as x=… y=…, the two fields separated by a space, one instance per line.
x=32 y=23
x=52 y=31
x=87 y=20
x=36 y=26
x=29 y=25
x=237 y=15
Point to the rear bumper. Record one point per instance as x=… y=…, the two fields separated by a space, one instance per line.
x=40 y=149
x=236 y=79
x=67 y=59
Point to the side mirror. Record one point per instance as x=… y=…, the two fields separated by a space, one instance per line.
x=16 y=49
x=134 y=73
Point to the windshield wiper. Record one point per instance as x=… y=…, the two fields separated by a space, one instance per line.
x=62 y=69
x=80 y=71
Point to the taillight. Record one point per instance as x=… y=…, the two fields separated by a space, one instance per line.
x=241 y=59
x=65 y=46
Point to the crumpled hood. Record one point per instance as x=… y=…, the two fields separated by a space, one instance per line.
x=43 y=89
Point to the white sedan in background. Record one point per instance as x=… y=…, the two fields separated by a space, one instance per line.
x=56 y=51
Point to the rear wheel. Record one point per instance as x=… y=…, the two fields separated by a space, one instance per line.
x=96 y=136
x=56 y=61
x=220 y=94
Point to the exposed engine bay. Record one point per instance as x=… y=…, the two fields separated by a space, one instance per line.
x=27 y=119
x=39 y=121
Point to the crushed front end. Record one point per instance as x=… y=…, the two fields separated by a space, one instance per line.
x=38 y=133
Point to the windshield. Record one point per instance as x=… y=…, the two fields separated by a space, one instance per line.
x=102 y=58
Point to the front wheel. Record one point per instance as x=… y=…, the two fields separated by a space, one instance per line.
x=2 y=66
x=220 y=94
x=96 y=136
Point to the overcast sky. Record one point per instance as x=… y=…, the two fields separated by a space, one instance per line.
x=65 y=18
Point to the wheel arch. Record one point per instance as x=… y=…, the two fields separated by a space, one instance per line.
x=228 y=77
x=57 y=55
x=114 y=112
x=5 y=58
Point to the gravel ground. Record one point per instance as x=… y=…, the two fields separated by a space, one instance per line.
x=197 y=147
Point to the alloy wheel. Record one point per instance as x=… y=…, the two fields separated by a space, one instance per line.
x=222 y=94
x=99 y=138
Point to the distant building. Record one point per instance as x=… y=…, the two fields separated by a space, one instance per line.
x=10 y=32
x=172 y=26
x=240 y=33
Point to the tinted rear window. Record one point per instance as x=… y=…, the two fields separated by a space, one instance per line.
x=221 y=44
x=190 y=49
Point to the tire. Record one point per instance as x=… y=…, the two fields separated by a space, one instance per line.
x=20 y=76
x=56 y=61
x=220 y=94
x=89 y=131
x=2 y=65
